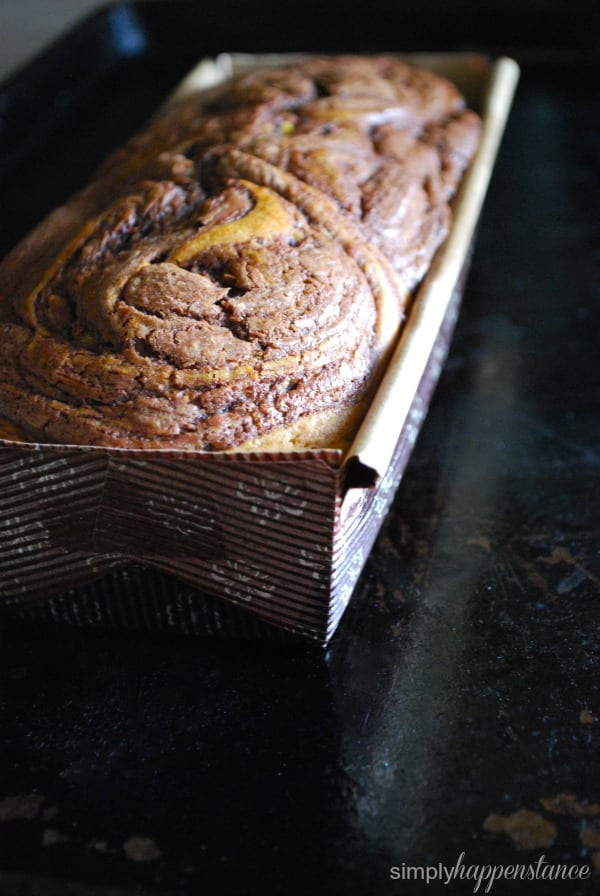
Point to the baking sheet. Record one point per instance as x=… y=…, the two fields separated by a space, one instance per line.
x=471 y=644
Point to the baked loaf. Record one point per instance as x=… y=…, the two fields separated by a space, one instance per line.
x=235 y=276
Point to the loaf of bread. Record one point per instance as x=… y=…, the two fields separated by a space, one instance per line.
x=235 y=276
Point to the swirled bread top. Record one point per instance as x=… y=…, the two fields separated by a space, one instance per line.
x=239 y=266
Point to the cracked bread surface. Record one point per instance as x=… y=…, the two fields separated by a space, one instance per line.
x=236 y=275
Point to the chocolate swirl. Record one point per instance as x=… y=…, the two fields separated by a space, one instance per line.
x=238 y=269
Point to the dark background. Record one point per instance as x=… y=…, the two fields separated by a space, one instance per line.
x=464 y=678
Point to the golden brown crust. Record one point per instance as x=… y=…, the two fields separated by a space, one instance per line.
x=238 y=269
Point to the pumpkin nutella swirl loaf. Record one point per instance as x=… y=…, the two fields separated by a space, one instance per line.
x=235 y=275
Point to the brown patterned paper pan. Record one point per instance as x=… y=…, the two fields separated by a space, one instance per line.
x=237 y=543
x=283 y=538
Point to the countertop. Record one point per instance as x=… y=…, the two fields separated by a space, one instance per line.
x=28 y=27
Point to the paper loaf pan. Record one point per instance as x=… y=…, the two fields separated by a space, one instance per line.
x=190 y=541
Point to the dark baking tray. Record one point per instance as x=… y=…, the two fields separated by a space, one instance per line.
x=109 y=73
x=464 y=679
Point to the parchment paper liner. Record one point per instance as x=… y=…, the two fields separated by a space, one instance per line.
x=283 y=536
